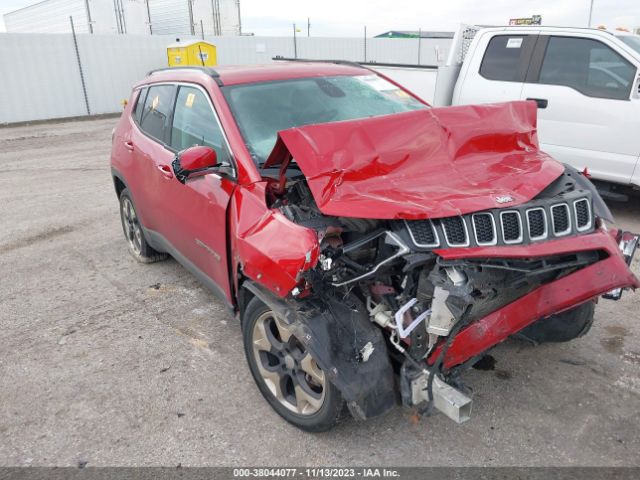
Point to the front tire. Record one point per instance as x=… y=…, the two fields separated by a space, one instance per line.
x=285 y=372
x=133 y=233
x=561 y=327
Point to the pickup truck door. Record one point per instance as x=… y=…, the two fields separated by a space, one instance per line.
x=588 y=113
x=496 y=68
x=194 y=219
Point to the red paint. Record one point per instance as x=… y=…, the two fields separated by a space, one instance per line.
x=567 y=292
x=267 y=247
x=422 y=164
x=195 y=158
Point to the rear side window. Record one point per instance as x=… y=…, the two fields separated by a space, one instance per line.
x=194 y=123
x=156 y=112
x=506 y=58
x=588 y=66
x=137 y=114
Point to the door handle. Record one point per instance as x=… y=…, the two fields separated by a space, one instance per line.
x=165 y=170
x=541 y=102
x=128 y=144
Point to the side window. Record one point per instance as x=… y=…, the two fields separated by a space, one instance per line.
x=507 y=57
x=157 y=108
x=194 y=123
x=137 y=114
x=588 y=66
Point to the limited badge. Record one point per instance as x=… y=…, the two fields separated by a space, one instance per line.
x=504 y=199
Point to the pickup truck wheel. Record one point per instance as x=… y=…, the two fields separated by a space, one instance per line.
x=138 y=246
x=562 y=327
x=286 y=374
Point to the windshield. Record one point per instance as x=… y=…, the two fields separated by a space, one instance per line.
x=263 y=109
x=632 y=40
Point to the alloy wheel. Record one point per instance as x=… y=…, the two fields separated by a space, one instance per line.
x=131 y=225
x=286 y=367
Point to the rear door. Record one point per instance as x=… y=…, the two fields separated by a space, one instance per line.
x=497 y=75
x=151 y=155
x=587 y=116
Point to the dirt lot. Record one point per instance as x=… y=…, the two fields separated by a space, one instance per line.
x=110 y=362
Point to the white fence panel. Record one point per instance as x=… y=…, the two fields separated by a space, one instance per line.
x=39 y=76
x=113 y=63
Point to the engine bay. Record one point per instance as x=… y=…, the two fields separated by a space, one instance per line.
x=417 y=298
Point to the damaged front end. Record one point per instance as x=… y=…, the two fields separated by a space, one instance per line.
x=402 y=295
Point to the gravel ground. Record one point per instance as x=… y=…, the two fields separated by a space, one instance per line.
x=111 y=362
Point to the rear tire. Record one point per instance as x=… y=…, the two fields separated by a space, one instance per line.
x=134 y=234
x=562 y=327
x=286 y=374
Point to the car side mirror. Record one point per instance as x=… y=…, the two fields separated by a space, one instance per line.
x=194 y=162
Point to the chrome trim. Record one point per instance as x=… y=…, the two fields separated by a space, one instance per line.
x=521 y=237
x=466 y=233
x=575 y=211
x=553 y=223
x=475 y=233
x=546 y=223
x=424 y=245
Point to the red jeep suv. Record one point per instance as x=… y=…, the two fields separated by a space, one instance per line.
x=373 y=247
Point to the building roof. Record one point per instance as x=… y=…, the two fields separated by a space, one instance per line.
x=414 y=34
x=186 y=43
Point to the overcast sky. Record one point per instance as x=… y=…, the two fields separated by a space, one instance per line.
x=348 y=17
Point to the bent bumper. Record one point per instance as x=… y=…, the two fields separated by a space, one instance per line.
x=585 y=284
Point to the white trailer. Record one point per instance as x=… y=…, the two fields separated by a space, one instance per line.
x=194 y=17
x=89 y=16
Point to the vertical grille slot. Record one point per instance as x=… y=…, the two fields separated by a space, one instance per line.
x=561 y=219
x=484 y=228
x=511 y=226
x=582 y=210
x=455 y=231
x=423 y=233
x=537 y=223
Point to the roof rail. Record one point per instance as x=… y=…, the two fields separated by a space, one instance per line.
x=206 y=70
x=338 y=62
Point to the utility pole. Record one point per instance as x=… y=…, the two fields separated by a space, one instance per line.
x=365 y=44
x=89 y=21
x=75 y=46
x=295 y=44
x=590 y=13
x=149 y=18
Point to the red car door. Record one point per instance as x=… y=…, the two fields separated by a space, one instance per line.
x=151 y=166
x=193 y=215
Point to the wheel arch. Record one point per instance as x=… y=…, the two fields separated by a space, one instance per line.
x=118 y=182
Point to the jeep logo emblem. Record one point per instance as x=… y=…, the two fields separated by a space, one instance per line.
x=504 y=199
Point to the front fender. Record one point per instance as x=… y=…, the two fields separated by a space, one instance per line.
x=266 y=247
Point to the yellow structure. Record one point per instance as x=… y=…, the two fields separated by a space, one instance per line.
x=192 y=52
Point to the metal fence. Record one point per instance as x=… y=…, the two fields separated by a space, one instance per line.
x=40 y=73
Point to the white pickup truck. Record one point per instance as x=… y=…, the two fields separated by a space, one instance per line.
x=586 y=83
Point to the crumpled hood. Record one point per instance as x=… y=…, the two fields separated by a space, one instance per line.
x=421 y=164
